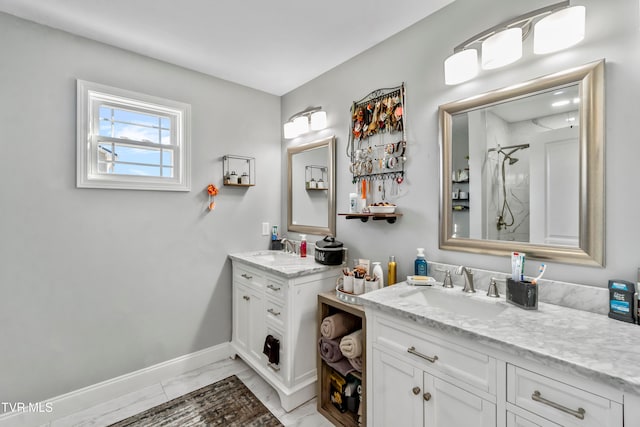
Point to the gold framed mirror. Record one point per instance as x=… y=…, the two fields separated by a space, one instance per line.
x=522 y=169
x=311 y=206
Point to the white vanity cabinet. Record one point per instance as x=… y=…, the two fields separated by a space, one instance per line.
x=422 y=376
x=420 y=379
x=266 y=303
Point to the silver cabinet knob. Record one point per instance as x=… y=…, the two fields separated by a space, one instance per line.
x=427 y=396
x=416 y=390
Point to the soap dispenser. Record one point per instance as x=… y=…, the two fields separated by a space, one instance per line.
x=303 y=245
x=377 y=272
x=420 y=263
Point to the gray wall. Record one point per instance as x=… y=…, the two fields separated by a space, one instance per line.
x=415 y=56
x=98 y=283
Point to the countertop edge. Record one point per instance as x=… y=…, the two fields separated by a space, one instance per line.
x=312 y=268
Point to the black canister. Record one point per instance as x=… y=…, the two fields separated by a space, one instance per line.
x=329 y=251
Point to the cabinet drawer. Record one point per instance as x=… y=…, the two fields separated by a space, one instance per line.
x=437 y=355
x=514 y=420
x=275 y=313
x=248 y=276
x=559 y=402
x=276 y=290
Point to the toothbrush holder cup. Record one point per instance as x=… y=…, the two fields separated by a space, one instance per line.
x=524 y=294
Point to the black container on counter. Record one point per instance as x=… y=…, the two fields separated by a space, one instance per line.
x=523 y=294
x=329 y=251
x=622 y=300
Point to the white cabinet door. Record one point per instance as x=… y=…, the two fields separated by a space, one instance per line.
x=397 y=392
x=448 y=405
x=248 y=324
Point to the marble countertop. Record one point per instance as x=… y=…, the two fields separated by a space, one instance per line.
x=588 y=344
x=282 y=264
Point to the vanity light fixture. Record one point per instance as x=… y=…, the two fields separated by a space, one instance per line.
x=313 y=118
x=555 y=27
x=502 y=48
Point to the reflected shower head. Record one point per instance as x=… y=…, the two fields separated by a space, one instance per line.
x=512 y=160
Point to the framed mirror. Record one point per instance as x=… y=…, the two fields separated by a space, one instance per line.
x=311 y=187
x=522 y=169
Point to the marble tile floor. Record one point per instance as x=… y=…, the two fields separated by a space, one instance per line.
x=141 y=400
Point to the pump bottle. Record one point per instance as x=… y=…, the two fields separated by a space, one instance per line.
x=420 y=263
x=303 y=245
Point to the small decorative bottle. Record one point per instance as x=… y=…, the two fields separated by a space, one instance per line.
x=303 y=245
x=392 y=279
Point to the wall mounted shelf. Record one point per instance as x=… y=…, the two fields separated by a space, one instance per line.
x=238 y=171
x=364 y=217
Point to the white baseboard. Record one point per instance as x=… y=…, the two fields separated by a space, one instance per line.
x=95 y=394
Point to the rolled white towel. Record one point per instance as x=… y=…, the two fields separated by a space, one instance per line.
x=337 y=325
x=351 y=345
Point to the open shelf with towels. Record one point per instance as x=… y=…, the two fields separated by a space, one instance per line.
x=328 y=304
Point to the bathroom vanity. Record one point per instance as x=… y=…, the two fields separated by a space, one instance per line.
x=275 y=294
x=439 y=357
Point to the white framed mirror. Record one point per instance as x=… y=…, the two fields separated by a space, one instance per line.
x=522 y=169
x=311 y=188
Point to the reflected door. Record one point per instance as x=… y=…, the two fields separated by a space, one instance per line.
x=555 y=187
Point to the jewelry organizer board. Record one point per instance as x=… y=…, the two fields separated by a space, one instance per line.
x=377 y=144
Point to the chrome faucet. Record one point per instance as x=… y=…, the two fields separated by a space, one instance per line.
x=468 y=283
x=285 y=246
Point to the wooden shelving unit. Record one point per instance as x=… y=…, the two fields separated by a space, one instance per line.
x=329 y=304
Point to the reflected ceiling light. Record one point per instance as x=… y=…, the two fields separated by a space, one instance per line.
x=555 y=27
x=502 y=48
x=561 y=103
x=312 y=118
x=559 y=30
x=461 y=66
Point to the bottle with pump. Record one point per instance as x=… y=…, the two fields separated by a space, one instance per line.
x=392 y=271
x=377 y=272
x=303 y=245
x=420 y=263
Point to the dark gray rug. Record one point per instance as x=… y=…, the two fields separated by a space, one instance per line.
x=225 y=403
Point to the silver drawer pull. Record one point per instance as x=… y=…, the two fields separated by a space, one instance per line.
x=272 y=311
x=275 y=368
x=413 y=351
x=538 y=398
x=245 y=297
x=273 y=288
x=246 y=276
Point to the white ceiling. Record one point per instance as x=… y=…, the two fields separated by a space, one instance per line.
x=274 y=46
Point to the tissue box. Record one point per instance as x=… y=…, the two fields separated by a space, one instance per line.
x=523 y=294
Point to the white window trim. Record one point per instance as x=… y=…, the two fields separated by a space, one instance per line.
x=88 y=94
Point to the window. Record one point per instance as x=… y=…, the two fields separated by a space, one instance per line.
x=130 y=140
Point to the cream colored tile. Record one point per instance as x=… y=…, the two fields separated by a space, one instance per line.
x=305 y=416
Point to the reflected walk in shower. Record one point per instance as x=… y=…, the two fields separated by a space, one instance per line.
x=508 y=189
